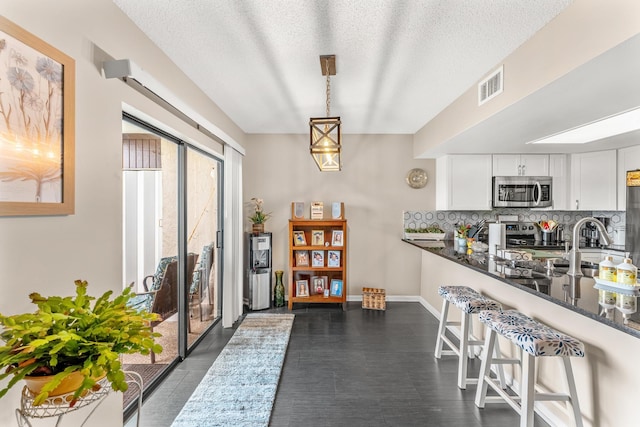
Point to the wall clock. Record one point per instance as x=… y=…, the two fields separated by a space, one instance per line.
x=417 y=178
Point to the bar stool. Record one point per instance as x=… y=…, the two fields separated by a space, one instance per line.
x=535 y=340
x=469 y=302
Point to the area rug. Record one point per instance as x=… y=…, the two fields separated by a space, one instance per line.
x=240 y=387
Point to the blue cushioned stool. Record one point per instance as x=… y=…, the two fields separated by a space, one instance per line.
x=534 y=340
x=469 y=302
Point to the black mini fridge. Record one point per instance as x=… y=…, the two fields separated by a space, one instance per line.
x=257 y=283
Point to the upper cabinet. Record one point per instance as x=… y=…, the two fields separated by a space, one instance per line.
x=558 y=170
x=463 y=182
x=593 y=181
x=628 y=159
x=520 y=165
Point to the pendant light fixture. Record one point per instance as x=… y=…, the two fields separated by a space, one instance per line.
x=325 y=131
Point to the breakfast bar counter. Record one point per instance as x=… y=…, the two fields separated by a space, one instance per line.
x=533 y=277
x=606 y=377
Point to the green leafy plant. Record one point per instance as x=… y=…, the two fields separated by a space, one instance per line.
x=69 y=334
x=258 y=217
x=463 y=230
x=432 y=229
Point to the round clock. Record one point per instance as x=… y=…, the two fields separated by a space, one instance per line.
x=417 y=178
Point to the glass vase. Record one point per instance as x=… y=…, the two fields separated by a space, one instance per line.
x=279 y=290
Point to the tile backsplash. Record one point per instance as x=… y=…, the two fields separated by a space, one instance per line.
x=447 y=220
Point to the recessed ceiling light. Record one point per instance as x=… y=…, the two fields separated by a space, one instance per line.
x=616 y=124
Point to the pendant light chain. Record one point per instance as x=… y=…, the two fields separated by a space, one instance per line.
x=328 y=89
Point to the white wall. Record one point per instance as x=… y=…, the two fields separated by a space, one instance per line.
x=46 y=254
x=280 y=170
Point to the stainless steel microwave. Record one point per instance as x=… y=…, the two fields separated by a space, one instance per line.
x=522 y=191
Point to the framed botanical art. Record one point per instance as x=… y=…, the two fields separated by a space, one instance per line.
x=317 y=237
x=333 y=259
x=317 y=258
x=37 y=125
x=336 y=288
x=302 y=258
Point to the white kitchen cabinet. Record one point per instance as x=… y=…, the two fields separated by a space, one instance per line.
x=593 y=181
x=520 y=165
x=463 y=182
x=628 y=159
x=558 y=170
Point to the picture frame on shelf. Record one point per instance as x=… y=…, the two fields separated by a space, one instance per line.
x=336 y=288
x=319 y=284
x=317 y=237
x=317 y=258
x=299 y=239
x=337 y=210
x=302 y=288
x=302 y=258
x=337 y=238
x=317 y=210
x=297 y=210
x=37 y=162
x=333 y=259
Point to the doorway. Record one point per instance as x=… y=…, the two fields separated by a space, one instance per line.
x=172 y=206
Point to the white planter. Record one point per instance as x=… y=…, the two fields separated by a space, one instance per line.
x=424 y=236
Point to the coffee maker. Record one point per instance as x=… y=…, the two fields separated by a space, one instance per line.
x=591 y=234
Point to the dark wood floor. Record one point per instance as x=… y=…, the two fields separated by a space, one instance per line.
x=352 y=368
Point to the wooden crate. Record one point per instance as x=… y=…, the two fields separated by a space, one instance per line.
x=374 y=299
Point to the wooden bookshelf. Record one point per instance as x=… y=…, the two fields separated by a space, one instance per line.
x=333 y=266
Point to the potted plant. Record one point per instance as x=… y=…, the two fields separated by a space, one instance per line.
x=258 y=218
x=428 y=233
x=463 y=232
x=69 y=336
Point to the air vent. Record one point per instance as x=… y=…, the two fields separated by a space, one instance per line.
x=491 y=86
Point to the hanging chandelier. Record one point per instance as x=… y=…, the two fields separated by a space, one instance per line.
x=325 y=131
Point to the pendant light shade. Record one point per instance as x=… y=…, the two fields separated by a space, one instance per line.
x=325 y=143
x=324 y=132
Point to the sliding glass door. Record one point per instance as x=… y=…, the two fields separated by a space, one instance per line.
x=171 y=223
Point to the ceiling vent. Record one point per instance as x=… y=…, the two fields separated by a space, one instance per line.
x=491 y=86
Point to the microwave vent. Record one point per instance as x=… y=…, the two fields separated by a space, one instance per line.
x=491 y=86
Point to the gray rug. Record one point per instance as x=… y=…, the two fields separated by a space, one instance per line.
x=240 y=387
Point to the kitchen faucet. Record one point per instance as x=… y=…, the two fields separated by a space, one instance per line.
x=575 y=256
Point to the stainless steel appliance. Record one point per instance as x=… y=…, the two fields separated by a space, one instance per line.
x=522 y=191
x=591 y=234
x=257 y=286
x=528 y=235
x=632 y=235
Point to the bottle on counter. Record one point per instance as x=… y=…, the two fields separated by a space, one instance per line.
x=626 y=272
x=607 y=271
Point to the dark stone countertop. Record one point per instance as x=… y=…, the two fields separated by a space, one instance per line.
x=574 y=293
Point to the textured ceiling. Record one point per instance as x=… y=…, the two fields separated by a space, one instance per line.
x=399 y=63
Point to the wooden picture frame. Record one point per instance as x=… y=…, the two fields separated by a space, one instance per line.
x=333 y=259
x=299 y=239
x=317 y=210
x=302 y=288
x=37 y=162
x=317 y=258
x=317 y=237
x=302 y=258
x=319 y=284
x=337 y=210
x=336 y=288
x=337 y=238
